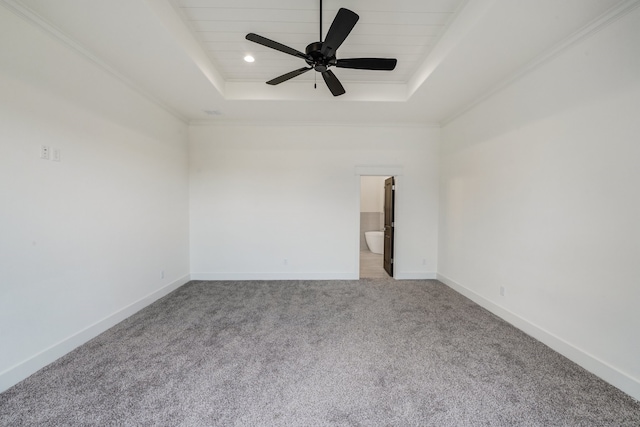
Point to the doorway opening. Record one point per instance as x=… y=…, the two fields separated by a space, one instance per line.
x=377 y=202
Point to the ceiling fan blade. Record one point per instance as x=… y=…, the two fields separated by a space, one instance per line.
x=385 y=64
x=285 y=77
x=275 y=45
x=333 y=83
x=340 y=28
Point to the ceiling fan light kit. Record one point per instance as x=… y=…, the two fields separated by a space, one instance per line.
x=320 y=56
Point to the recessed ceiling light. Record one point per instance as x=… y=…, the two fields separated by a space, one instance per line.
x=249 y=58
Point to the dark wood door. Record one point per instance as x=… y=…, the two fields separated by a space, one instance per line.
x=389 y=224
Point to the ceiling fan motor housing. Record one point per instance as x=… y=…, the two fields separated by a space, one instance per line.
x=318 y=61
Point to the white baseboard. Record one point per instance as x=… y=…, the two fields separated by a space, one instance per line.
x=304 y=276
x=274 y=276
x=608 y=373
x=416 y=275
x=22 y=370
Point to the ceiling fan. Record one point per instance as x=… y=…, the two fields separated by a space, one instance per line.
x=321 y=55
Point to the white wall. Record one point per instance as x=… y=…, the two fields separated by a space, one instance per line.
x=372 y=193
x=83 y=241
x=539 y=195
x=261 y=195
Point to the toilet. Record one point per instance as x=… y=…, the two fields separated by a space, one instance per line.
x=375 y=241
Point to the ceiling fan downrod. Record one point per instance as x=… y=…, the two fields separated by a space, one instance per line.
x=320 y=22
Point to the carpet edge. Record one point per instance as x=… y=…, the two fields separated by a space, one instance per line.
x=31 y=365
x=599 y=368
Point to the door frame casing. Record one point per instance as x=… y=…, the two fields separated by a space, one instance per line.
x=386 y=171
x=389 y=224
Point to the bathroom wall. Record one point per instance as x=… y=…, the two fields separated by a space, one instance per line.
x=371 y=206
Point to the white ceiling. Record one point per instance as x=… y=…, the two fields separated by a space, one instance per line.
x=186 y=55
x=404 y=29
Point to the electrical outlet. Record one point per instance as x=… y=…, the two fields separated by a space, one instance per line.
x=424 y=261
x=502 y=290
x=286 y=261
x=44 y=152
x=162 y=274
x=57 y=155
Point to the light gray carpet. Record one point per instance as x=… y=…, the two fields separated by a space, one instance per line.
x=305 y=353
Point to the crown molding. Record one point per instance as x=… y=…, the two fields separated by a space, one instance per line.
x=584 y=33
x=33 y=18
x=231 y=123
